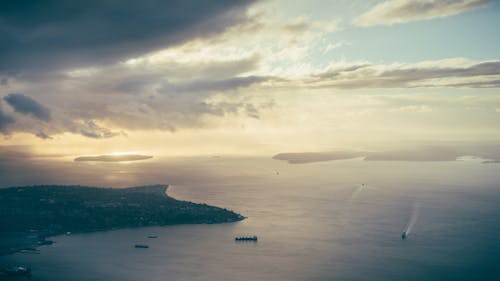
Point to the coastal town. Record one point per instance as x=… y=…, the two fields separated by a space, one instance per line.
x=30 y=215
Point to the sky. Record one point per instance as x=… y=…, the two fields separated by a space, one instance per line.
x=227 y=77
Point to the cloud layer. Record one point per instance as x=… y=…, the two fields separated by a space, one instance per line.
x=444 y=73
x=166 y=95
x=160 y=95
x=56 y=33
x=188 y=65
x=97 y=66
x=401 y=11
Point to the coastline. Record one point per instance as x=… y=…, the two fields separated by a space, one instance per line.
x=131 y=207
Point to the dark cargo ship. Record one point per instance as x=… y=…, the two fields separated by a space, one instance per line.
x=246 y=238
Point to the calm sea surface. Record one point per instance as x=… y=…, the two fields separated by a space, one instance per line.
x=339 y=220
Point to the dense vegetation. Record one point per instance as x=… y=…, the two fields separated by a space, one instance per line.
x=59 y=209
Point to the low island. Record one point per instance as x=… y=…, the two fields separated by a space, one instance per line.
x=30 y=214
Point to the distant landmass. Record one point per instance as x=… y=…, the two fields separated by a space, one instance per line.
x=430 y=153
x=310 y=157
x=30 y=214
x=491 y=162
x=113 y=158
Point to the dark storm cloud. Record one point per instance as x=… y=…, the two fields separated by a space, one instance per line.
x=76 y=57
x=56 y=33
x=26 y=105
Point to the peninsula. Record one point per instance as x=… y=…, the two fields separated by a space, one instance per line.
x=30 y=214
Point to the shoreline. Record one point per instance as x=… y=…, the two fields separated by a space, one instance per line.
x=177 y=212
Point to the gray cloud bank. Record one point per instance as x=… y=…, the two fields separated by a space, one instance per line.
x=53 y=34
x=401 y=11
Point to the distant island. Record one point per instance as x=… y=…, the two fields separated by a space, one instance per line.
x=113 y=158
x=420 y=154
x=30 y=214
x=311 y=157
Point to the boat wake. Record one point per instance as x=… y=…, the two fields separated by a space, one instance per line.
x=359 y=189
x=411 y=223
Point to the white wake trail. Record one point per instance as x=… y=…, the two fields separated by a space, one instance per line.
x=413 y=219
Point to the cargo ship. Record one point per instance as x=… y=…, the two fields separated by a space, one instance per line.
x=246 y=238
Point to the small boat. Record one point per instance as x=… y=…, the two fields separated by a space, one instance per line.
x=141 y=246
x=44 y=242
x=152 y=236
x=404 y=235
x=29 y=251
x=246 y=238
x=17 y=271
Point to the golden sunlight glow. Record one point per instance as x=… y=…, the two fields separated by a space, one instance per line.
x=118 y=153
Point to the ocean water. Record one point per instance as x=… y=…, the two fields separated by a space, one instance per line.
x=339 y=220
